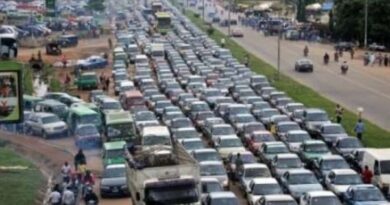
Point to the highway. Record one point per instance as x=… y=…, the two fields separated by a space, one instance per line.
x=367 y=87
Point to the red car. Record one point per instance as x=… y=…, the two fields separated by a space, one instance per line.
x=256 y=139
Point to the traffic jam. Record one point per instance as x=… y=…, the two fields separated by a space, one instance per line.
x=190 y=124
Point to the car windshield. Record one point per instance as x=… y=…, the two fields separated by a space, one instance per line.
x=145 y=116
x=214 y=93
x=266 y=189
x=87 y=130
x=50 y=119
x=114 y=153
x=207 y=156
x=334 y=130
x=334 y=164
x=259 y=106
x=253 y=127
x=90 y=119
x=325 y=200
x=239 y=110
x=368 y=195
x=316 y=148
x=212 y=170
x=276 y=149
x=210 y=187
x=318 y=116
x=384 y=167
x=114 y=172
x=289 y=163
x=199 y=107
x=224 y=130
x=244 y=119
x=263 y=138
x=288 y=127
x=351 y=142
x=224 y=201
x=181 y=123
x=302 y=179
x=156 y=140
x=256 y=172
x=193 y=145
x=230 y=143
x=294 y=138
x=119 y=130
x=112 y=106
x=185 y=134
x=270 y=113
x=349 y=179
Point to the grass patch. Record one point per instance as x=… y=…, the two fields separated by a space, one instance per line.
x=18 y=186
x=374 y=136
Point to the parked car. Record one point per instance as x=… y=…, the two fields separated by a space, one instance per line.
x=256 y=140
x=214 y=169
x=92 y=62
x=325 y=164
x=338 y=180
x=331 y=132
x=269 y=150
x=346 y=145
x=209 y=185
x=207 y=154
x=276 y=199
x=87 y=136
x=313 y=119
x=217 y=198
x=319 y=198
x=259 y=187
x=364 y=194
x=294 y=138
x=312 y=150
x=281 y=163
x=252 y=171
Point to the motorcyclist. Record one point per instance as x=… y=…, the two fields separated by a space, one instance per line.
x=79 y=159
x=306 y=51
x=90 y=197
x=344 y=68
x=326 y=58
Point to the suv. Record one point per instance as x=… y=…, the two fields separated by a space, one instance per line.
x=46 y=125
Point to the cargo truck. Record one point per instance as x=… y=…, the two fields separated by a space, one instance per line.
x=161 y=175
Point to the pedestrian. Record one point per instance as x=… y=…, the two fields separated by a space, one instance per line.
x=101 y=78
x=246 y=60
x=352 y=52
x=380 y=59
x=339 y=113
x=336 y=56
x=64 y=61
x=367 y=175
x=239 y=164
x=66 y=170
x=55 y=196
x=386 y=60
x=341 y=52
x=273 y=128
x=372 y=59
x=90 y=197
x=366 y=59
x=110 y=43
x=68 y=197
x=359 y=129
x=79 y=159
x=223 y=42
x=107 y=83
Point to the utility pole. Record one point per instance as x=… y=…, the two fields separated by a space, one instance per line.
x=203 y=10
x=365 y=23
x=230 y=7
x=278 y=63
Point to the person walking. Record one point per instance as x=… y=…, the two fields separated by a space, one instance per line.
x=367 y=175
x=339 y=113
x=79 y=159
x=380 y=59
x=386 y=60
x=246 y=60
x=336 y=56
x=359 y=129
x=109 y=43
x=55 y=196
x=68 y=197
x=107 y=83
x=239 y=165
x=352 y=52
x=66 y=170
x=223 y=42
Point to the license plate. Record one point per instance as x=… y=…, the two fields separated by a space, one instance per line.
x=115 y=190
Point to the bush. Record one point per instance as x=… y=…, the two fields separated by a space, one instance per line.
x=196 y=15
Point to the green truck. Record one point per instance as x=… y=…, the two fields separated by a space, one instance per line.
x=80 y=115
x=87 y=80
x=113 y=153
x=119 y=125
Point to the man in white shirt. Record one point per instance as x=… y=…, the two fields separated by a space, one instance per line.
x=68 y=197
x=55 y=197
x=66 y=171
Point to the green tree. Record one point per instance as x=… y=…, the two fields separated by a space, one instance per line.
x=349 y=20
x=96 y=5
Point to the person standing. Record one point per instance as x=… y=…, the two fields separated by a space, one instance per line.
x=385 y=60
x=55 y=197
x=66 y=171
x=107 y=83
x=336 y=56
x=380 y=59
x=223 y=42
x=352 y=52
x=239 y=165
x=359 y=129
x=79 y=159
x=68 y=197
x=367 y=175
x=339 y=113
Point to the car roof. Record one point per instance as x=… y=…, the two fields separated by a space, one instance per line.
x=206 y=163
x=278 y=197
x=44 y=114
x=330 y=157
x=299 y=171
x=265 y=180
x=314 y=110
x=292 y=132
x=209 y=179
x=320 y=193
x=254 y=165
x=115 y=166
x=287 y=156
x=287 y=123
x=224 y=194
x=227 y=137
x=205 y=150
x=379 y=154
x=343 y=171
x=313 y=142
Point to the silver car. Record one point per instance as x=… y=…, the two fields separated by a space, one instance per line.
x=114 y=181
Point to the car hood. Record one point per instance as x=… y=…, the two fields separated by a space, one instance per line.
x=120 y=181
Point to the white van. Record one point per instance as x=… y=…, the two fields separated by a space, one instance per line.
x=155 y=135
x=378 y=161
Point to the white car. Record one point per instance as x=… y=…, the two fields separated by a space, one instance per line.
x=260 y=187
x=294 y=138
x=219 y=198
x=252 y=171
x=276 y=199
x=214 y=169
x=284 y=162
x=298 y=182
x=319 y=198
x=209 y=185
x=338 y=180
x=228 y=144
x=46 y=125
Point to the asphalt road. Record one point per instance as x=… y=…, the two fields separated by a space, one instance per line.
x=367 y=87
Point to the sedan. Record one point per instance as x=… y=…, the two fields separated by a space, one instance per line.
x=207 y=154
x=285 y=162
x=227 y=144
x=259 y=187
x=338 y=180
x=92 y=62
x=304 y=65
x=298 y=182
x=325 y=164
x=364 y=194
x=330 y=132
x=269 y=150
x=237 y=33
x=216 y=170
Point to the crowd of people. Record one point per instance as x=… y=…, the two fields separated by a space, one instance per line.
x=74 y=180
